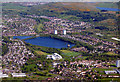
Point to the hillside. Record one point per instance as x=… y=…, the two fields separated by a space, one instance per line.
x=65 y=10
x=78 y=6
x=57 y=7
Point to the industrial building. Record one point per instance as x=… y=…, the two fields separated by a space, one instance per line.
x=2 y=75
x=64 y=32
x=55 y=31
x=110 y=72
x=18 y=74
x=61 y=32
x=55 y=56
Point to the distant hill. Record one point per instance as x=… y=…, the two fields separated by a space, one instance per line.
x=66 y=10
x=63 y=6
x=86 y=6
x=79 y=6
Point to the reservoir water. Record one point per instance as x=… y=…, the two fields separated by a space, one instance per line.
x=22 y=37
x=108 y=9
x=46 y=41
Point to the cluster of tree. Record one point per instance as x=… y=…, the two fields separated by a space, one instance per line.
x=43 y=73
x=6 y=39
x=31 y=64
x=102 y=28
x=4 y=45
x=90 y=16
x=103 y=57
x=4 y=49
x=29 y=68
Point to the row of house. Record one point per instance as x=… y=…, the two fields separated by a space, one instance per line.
x=18 y=26
x=16 y=56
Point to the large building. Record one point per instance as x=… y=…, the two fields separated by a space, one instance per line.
x=110 y=72
x=2 y=75
x=55 y=56
x=55 y=31
x=60 y=32
x=118 y=63
x=64 y=32
x=18 y=74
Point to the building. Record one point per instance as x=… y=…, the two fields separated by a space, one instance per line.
x=110 y=72
x=55 y=31
x=55 y=64
x=118 y=63
x=18 y=74
x=55 y=56
x=2 y=75
x=64 y=32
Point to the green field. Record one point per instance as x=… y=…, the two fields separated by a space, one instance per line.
x=110 y=79
x=111 y=53
x=41 y=53
x=103 y=69
x=69 y=53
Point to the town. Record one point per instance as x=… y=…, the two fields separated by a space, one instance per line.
x=42 y=43
x=78 y=69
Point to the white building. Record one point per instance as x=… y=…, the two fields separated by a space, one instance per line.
x=55 y=64
x=99 y=34
x=118 y=63
x=64 y=32
x=115 y=38
x=2 y=75
x=55 y=56
x=18 y=74
x=55 y=31
x=110 y=72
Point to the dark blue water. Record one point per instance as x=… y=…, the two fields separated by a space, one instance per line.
x=108 y=9
x=46 y=41
x=22 y=37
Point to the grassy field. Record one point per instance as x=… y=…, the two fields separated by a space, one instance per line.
x=38 y=77
x=111 y=53
x=103 y=69
x=110 y=79
x=41 y=53
x=69 y=53
x=82 y=58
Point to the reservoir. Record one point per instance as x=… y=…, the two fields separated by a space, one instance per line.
x=108 y=9
x=22 y=37
x=46 y=42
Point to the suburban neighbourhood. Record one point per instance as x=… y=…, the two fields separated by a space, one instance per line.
x=60 y=41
